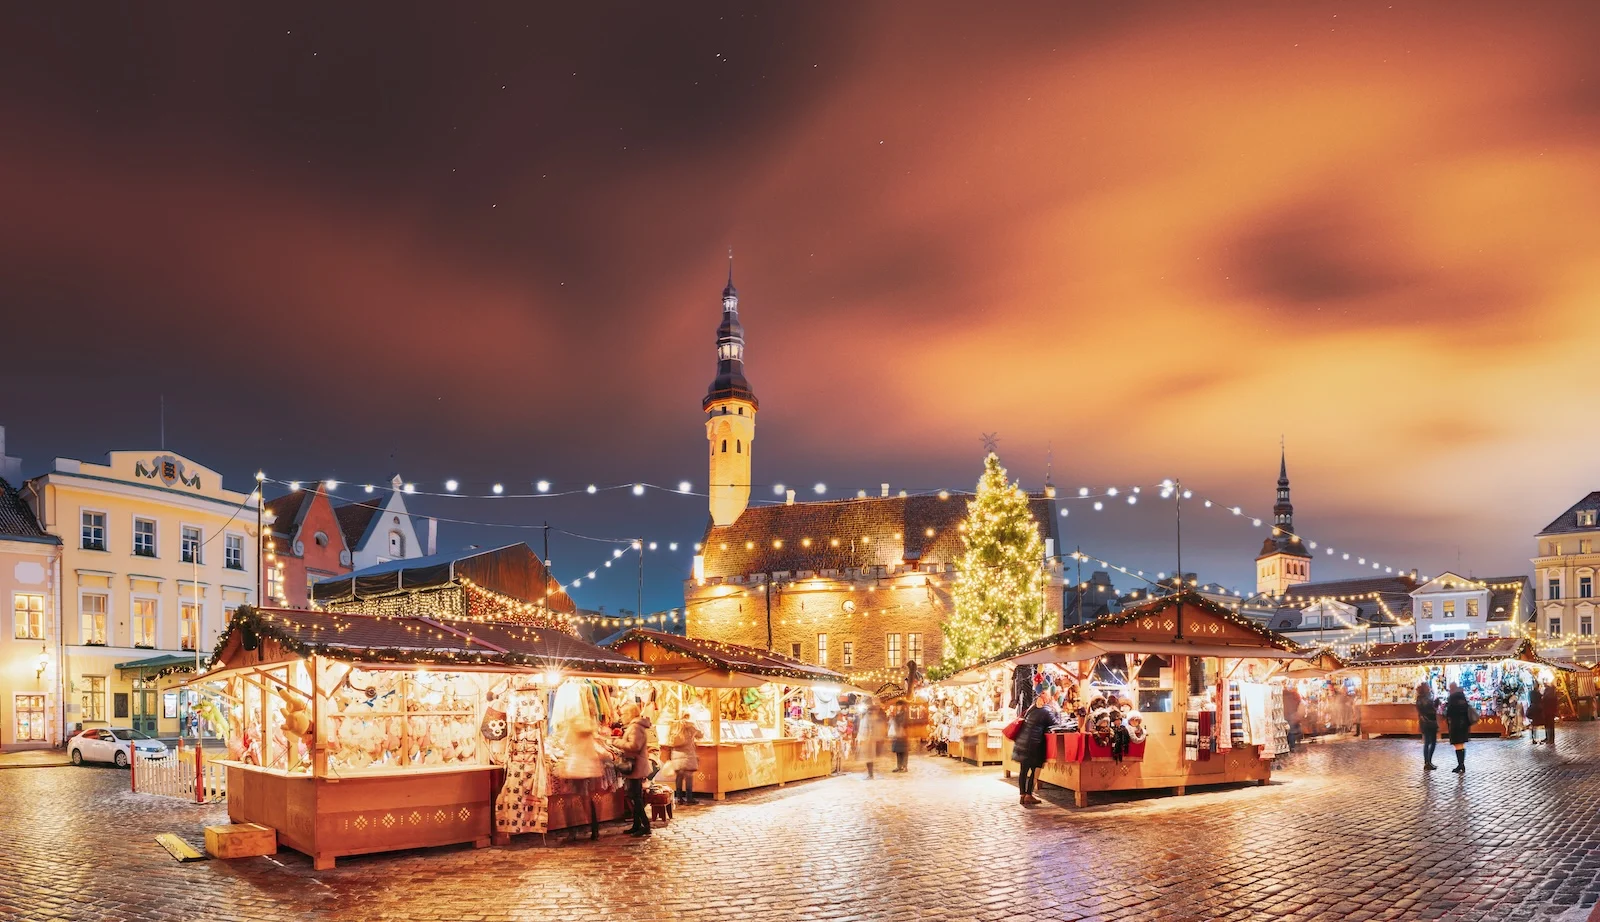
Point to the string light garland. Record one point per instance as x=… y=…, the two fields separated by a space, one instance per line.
x=730 y=657
x=999 y=592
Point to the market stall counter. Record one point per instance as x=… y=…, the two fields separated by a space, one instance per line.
x=355 y=733
x=767 y=719
x=1173 y=693
x=1494 y=672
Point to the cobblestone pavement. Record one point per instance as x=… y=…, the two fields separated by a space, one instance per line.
x=1348 y=831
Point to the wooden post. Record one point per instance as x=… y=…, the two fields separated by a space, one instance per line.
x=199 y=772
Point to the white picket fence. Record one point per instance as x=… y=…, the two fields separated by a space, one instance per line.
x=174 y=776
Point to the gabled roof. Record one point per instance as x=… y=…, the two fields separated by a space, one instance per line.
x=363 y=638
x=512 y=570
x=730 y=657
x=1483 y=649
x=355 y=520
x=287 y=511
x=1376 y=599
x=17 y=521
x=843 y=534
x=1188 y=598
x=1567 y=522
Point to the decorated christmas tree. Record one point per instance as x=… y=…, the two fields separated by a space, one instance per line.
x=998 y=590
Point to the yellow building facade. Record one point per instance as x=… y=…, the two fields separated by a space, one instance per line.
x=155 y=556
x=30 y=640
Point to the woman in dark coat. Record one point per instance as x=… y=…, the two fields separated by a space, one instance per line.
x=1549 y=710
x=1534 y=716
x=1458 y=718
x=1428 y=719
x=1029 y=747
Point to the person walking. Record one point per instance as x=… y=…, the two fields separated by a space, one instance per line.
x=1550 y=709
x=636 y=746
x=1458 y=718
x=1028 y=749
x=686 y=736
x=1535 y=711
x=897 y=735
x=1428 y=719
x=582 y=770
x=870 y=735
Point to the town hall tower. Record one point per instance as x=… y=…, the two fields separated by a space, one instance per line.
x=730 y=408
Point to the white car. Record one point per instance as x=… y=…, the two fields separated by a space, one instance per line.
x=111 y=744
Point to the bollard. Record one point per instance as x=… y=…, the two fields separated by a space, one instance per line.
x=133 y=772
x=199 y=774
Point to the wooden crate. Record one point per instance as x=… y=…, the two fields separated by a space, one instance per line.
x=241 y=840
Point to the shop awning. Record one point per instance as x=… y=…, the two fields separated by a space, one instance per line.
x=158 y=665
x=713 y=664
x=1476 y=650
x=375 y=641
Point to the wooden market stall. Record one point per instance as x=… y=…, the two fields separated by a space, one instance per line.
x=1196 y=673
x=1495 y=673
x=744 y=693
x=351 y=733
x=970 y=710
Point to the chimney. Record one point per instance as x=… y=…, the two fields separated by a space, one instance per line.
x=885 y=492
x=1413 y=574
x=789 y=498
x=433 y=536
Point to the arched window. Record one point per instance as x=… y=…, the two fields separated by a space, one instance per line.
x=738 y=447
x=741 y=411
x=724 y=446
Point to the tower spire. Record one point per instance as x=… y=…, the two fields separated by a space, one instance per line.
x=730 y=407
x=730 y=291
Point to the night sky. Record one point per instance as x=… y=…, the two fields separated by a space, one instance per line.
x=488 y=243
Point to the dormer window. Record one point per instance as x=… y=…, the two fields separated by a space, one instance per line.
x=1586 y=518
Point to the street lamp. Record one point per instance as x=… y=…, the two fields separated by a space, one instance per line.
x=44 y=663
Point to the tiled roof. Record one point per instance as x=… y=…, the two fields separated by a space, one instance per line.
x=1391 y=605
x=1567 y=522
x=1503 y=602
x=17 y=521
x=356 y=518
x=1283 y=544
x=373 y=638
x=285 y=510
x=841 y=534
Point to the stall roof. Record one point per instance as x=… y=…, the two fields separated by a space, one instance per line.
x=1483 y=649
x=1210 y=629
x=730 y=657
x=365 y=638
x=176 y=662
x=513 y=570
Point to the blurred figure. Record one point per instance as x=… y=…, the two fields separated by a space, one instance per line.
x=1458 y=718
x=685 y=741
x=1535 y=710
x=870 y=734
x=897 y=735
x=1549 y=709
x=1428 y=720
x=582 y=770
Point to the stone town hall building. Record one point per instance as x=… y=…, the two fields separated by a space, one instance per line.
x=858 y=585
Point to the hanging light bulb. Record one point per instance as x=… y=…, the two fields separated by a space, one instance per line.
x=498 y=489
x=542 y=486
x=638 y=489
x=684 y=486
x=592 y=488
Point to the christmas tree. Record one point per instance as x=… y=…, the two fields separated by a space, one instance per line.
x=999 y=580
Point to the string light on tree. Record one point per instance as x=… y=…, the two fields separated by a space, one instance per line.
x=997 y=594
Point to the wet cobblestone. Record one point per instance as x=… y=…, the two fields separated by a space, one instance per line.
x=1348 y=831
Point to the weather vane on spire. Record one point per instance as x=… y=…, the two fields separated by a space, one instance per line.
x=991 y=442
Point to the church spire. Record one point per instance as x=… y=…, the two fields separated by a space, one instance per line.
x=1283 y=510
x=730 y=293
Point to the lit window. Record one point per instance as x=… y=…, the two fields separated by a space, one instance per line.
x=1450 y=608
x=1586 y=547
x=1555 y=626
x=794 y=650
x=1586 y=518
x=893 y=650
x=274 y=584
x=29 y=610
x=92 y=618
x=822 y=649
x=1427 y=609
x=1472 y=608
x=233 y=552
x=94 y=531
x=144 y=537
x=191 y=544
x=93 y=698
x=913 y=648
x=188 y=625
x=849 y=653
x=144 y=622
